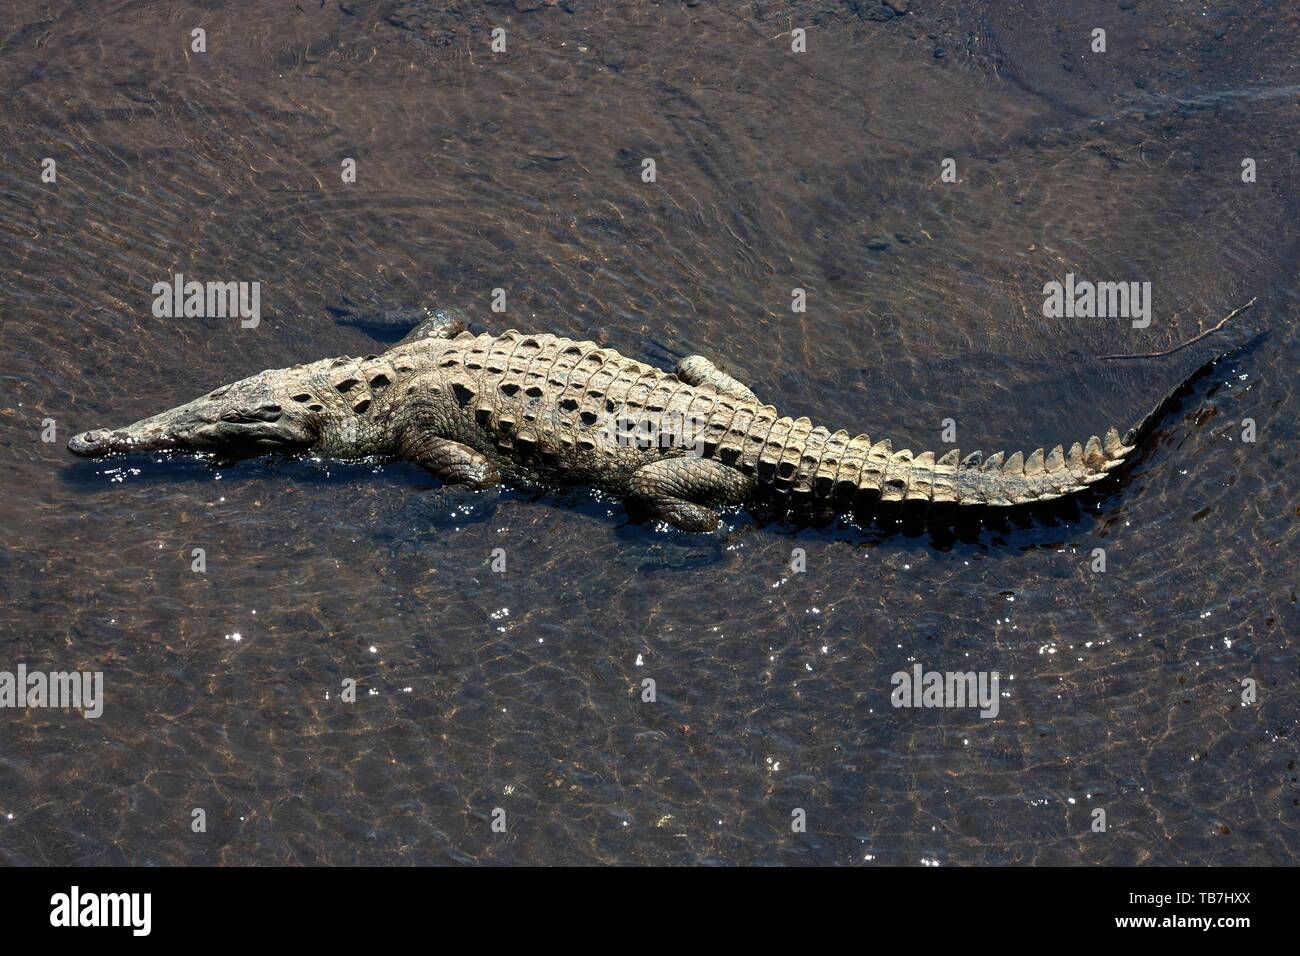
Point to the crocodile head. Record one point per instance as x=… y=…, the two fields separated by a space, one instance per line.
x=270 y=411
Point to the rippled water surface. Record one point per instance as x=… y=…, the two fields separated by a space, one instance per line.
x=522 y=690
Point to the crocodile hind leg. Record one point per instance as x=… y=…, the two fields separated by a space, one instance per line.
x=454 y=463
x=697 y=370
x=437 y=324
x=684 y=491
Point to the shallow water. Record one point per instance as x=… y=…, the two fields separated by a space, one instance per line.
x=522 y=690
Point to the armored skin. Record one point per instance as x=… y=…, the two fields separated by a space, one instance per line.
x=477 y=410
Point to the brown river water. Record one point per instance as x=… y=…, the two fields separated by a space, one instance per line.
x=522 y=691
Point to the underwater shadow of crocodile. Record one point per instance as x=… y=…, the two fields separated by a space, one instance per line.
x=541 y=411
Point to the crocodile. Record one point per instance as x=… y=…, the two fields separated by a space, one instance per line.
x=479 y=410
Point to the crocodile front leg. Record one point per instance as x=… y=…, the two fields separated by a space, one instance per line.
x=454 y=463
x=684 y=491
x=697 y=370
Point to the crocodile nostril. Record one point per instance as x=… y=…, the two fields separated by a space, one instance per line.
x=88 y=443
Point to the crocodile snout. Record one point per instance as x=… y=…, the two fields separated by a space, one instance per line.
x=91 y=444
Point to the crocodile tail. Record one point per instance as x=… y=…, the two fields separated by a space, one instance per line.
x=887 y=481
x=1002 y=481
x=890 y=480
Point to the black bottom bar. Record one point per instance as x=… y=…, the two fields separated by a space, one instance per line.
x=340 y=907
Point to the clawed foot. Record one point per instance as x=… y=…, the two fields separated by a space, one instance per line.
x=454 y=463
x=697 y=370
x=682 y=491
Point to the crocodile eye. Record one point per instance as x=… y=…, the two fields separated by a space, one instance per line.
x=269 y=412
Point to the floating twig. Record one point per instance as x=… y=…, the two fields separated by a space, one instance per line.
x=1196 y=338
